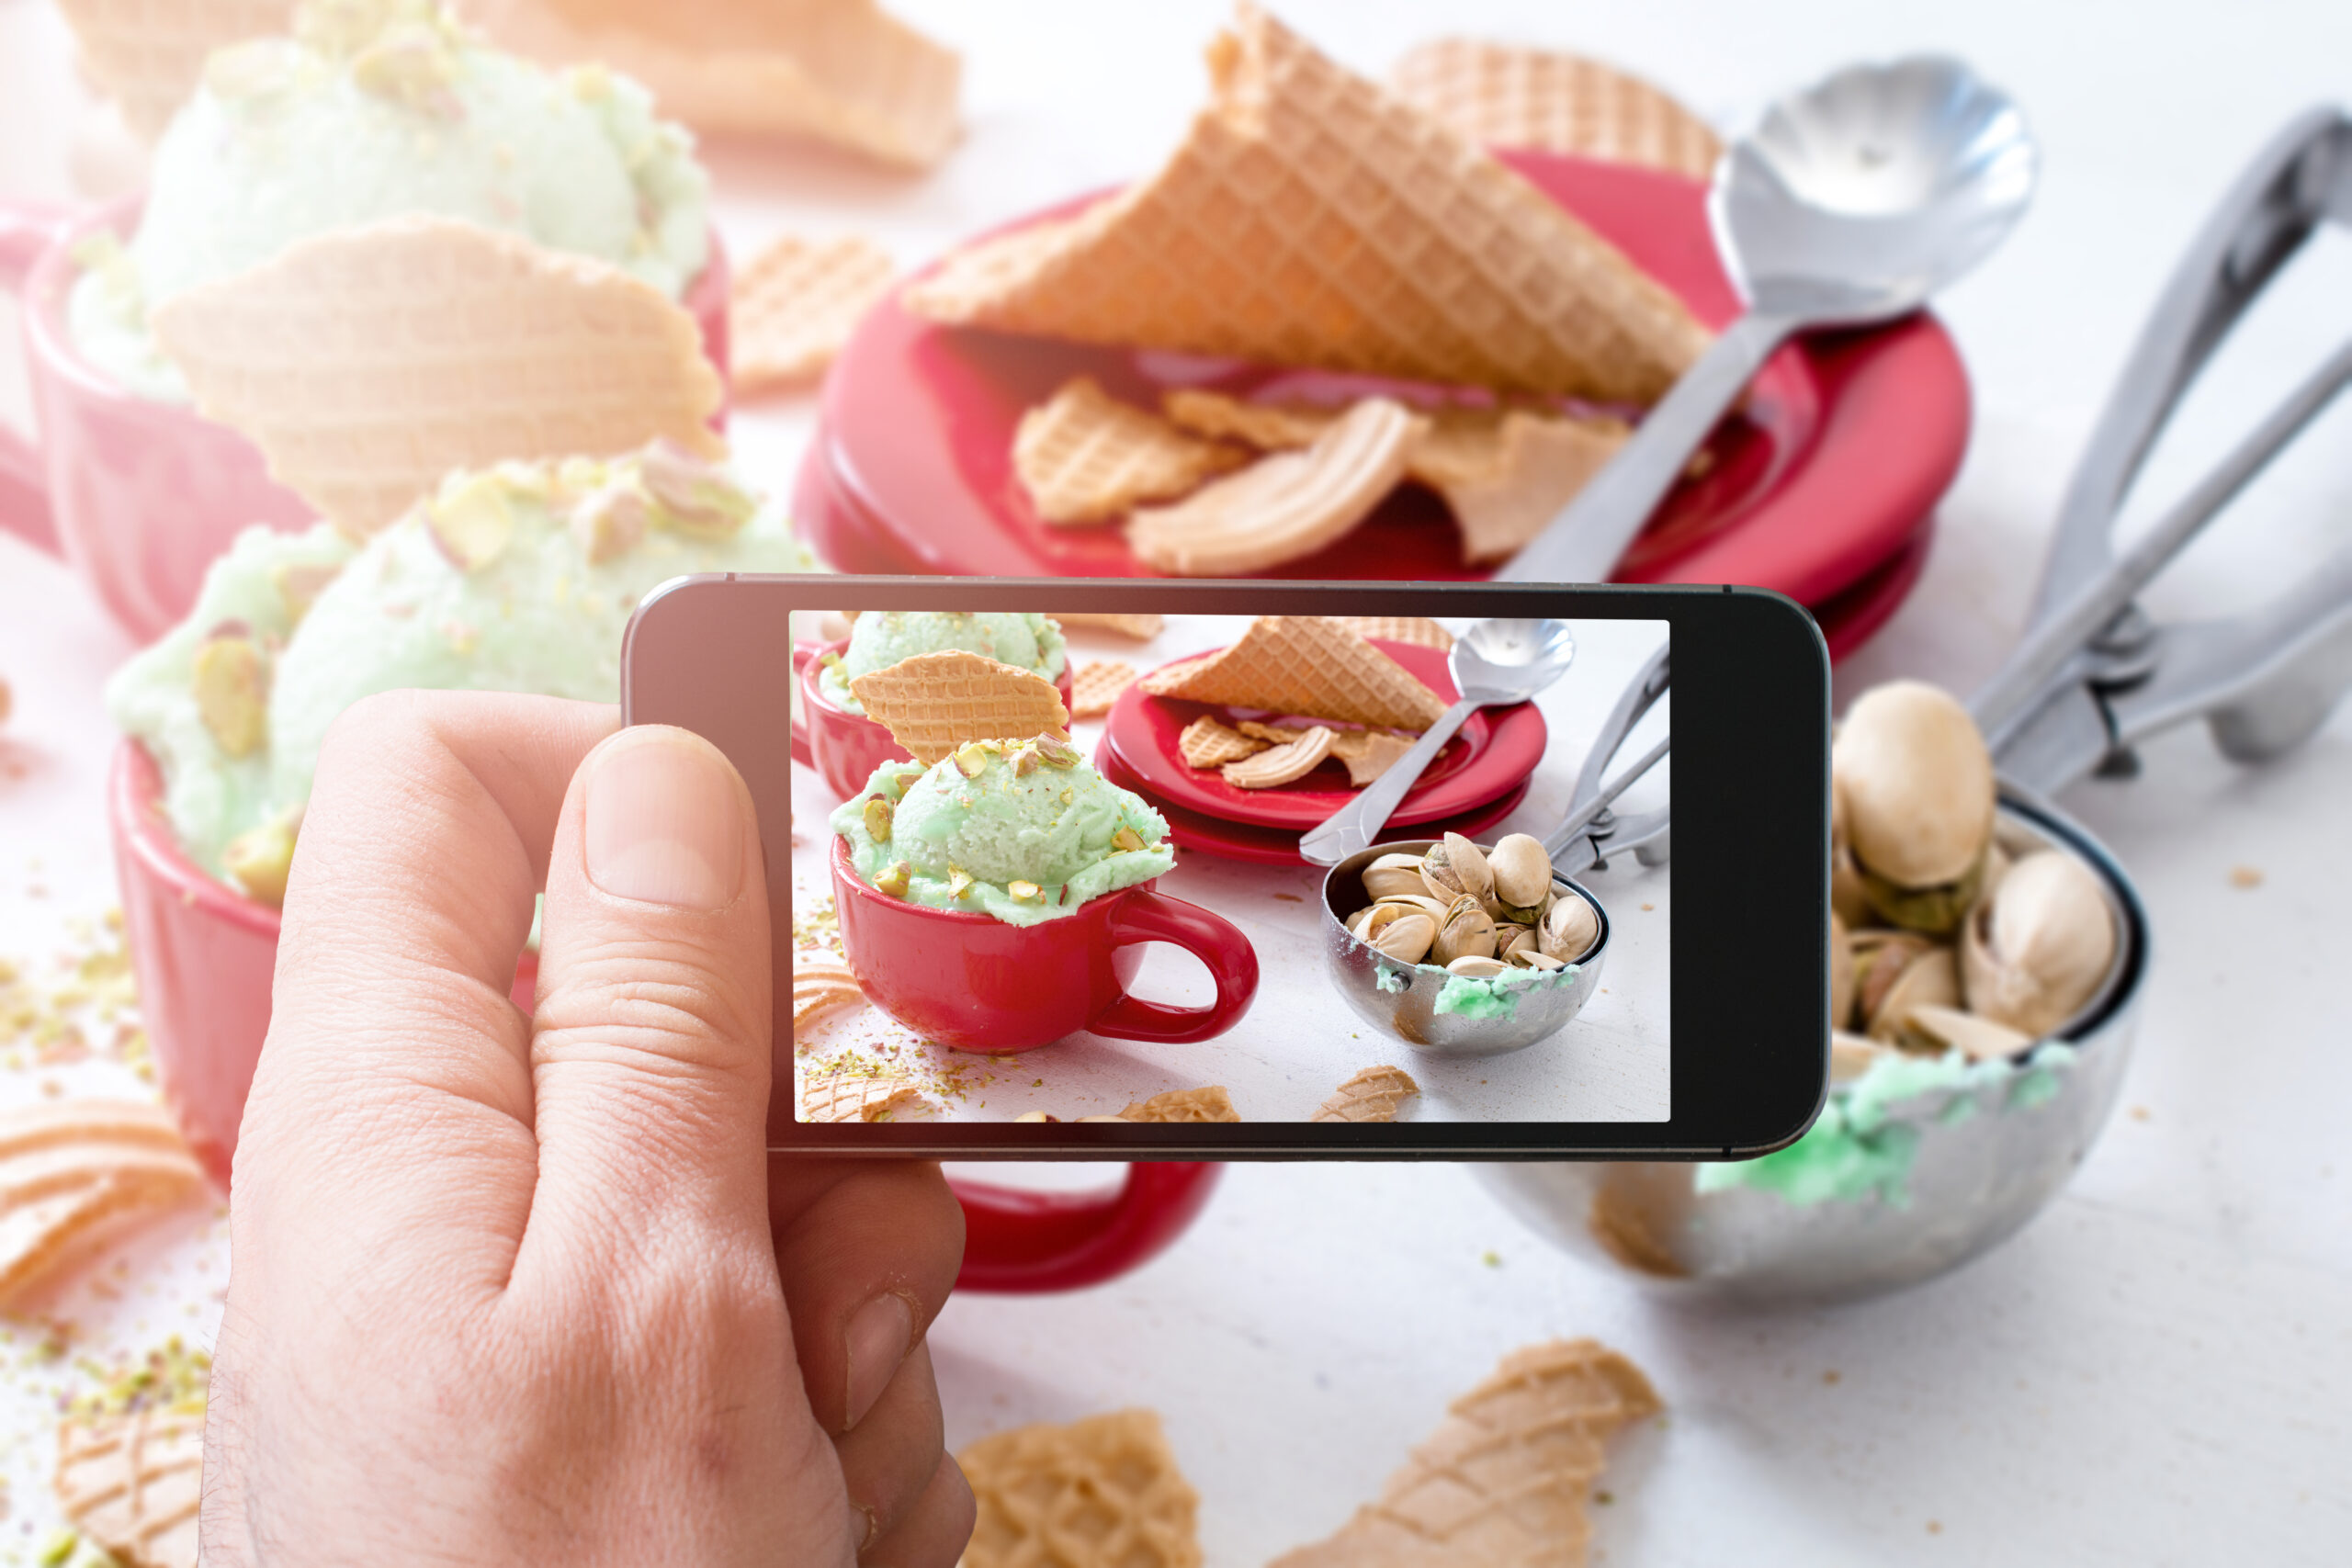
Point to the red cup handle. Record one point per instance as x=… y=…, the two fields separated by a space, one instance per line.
x=1020 y=1241
x=802 y=652
x=1155 y=917
x=25 y=232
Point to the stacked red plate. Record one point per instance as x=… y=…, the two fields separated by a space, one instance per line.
x=1822 y=487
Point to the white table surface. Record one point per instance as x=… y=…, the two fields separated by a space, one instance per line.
x=2158 y=1371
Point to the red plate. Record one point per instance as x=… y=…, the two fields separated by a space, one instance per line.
x=1846 y=444
x=1496 y=749
x=1275 y=846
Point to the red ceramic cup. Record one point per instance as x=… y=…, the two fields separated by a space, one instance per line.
x=141 y=496
x=844 y=747
x=204 y=954
x=974 y=983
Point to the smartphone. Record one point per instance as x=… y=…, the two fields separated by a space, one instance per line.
x=1054 y=871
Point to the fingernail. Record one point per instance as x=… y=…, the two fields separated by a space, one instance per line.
x=664 y=823
x=879 y=1333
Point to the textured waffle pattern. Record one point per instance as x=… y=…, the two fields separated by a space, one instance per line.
x=1507 y=479
x=1372 y=757
x=819 y=986
x=1310 y=665
x=932 y=703
x=1102 y=1493
x=1312 y=218
x=1281 y=764
x=1207 y=743
x=1270 y=427
x=1084 y=455
x=795 y=304
x=1372 y=1094
x=1141 y=629
x=147 y=55
x=1209 y=1104
x=132 y=1484
x=1502 y=97
x=74 y=1175
x=857 y=1097
x=1418 y=630
x=368 y=363
x=1096 y=687
x=1501 y=1483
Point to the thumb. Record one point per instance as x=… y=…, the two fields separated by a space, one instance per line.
x=651 y=1035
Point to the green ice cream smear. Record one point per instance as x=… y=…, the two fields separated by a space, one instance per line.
x=1021 y=830
x=1494 y=996
x=879 y=639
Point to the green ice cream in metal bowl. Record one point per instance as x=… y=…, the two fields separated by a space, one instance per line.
x=1022 y=830
x=879 y=639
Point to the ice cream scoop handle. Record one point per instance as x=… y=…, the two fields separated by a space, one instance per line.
x=1232 y=962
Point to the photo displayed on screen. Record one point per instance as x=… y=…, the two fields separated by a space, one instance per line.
x=1055 y=867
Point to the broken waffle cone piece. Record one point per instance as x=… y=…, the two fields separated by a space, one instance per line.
x=1083 y=455
x=819 y=986
x=1100 y=1493
x=1281 y=764
x=367 y=363
x=1506 y=480
x=1378 y=754
x=1207 y=742
x=1500 y=96
x=932 y=703
x=1372 y=1094
x=76 y=1175
x=1313 y=666
x=1209 y=1104
x=1286 y=506
x=858 y=1096
x=1311 y=217
x=1502 y=1481
x=1270 y=427
x=132 y=1484
x=1418 y=630
x=1138 y=629
x=1096 y=687
x=795 y=303
x=843 y=72
x=147 y=55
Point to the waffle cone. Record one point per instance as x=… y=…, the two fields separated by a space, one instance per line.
x=132 y=1484
x=1501 y=1483
x=147 y=55
x=795 y=305
x=1311 y=217
x=821 y=985
x=1310 y=665
x=1370 y=1094
x=1506 y=480
x=1418 y=630
x=75 y=1176
x=1210 y=1104
x=932 y=703
x=1083 y=455
x=1207 y=743
x=367 y=363
x=1498 y=95
x=1102 y=1493
x=1136 y=628
x=1096 y=687
x=857 y=1097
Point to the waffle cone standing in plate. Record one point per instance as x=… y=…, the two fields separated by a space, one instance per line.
x=932 y=703
x=1313 y=218
x=147 y=55
x=1311 y=665
x=1498 y=95
x=132 y=1484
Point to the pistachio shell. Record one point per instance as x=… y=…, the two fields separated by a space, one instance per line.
x=1841 y=974
x=1473 y=967
x=1521 y=870
x=1569 y=931
x=1406 y=936
x=1529 y=958
x=1880 y=957
x=1851 y=1056
x=1932 y=979
x=1934 y=1029
x=1846 y=895
x=1455 y=867
x=1468 y=933
x=1918 y=784
x=2033 y=952
x=1392 y=874
x=1513 y=941
x=1433 y=908
x=1937 y=910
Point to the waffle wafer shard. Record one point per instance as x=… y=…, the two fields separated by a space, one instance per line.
x=1374 y=757
x=1083 y=455
x=76 y=1175
x=932 y=703
x=858 y=1096
x=795 y=303
x=1505 y=96
x=1311 y=217
x=819 y=986
x=1506 y=480
x=1501 y=1483
x=1100 y=1493
x=1208 y=743
x=1209 y=1104
x=1270 y=427
x=367 y=363
x=844 y=71
x=147 y=55
x=1281 y=764
x=1372 y=1094
x=132 y=1484
x=1285 y=506
x=1313 y=666
x=1096 y=687
x=1418 y=630
x=1138 y=629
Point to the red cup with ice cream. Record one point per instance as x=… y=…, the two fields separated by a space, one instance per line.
x=845 y=748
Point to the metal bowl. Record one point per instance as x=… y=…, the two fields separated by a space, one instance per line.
x=1410 y=1013
x=1985 y=1160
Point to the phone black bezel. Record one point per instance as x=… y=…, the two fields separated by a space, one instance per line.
x=1749 y=1066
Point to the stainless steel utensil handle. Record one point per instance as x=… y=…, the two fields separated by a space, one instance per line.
x=1566 y=835
x=1640 y=696
x=1356 y=826
x=1583 y=543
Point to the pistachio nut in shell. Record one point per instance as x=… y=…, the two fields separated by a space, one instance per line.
x=1880 y=957
x=1521 y=870
x=1933 y=1030
x=1846 y=895
x=2034 y=954
x=1569 y=931
x=1474 y=968
x=1841 y=974
x=1511 y=942
x=1455 y=867
x=1932 y=979
x=1406 y=935
x=1468 y=933
x=1434 y=909
x=1530 y=958
x=1393 y=874
x=1935 y=910
x=1918 y=784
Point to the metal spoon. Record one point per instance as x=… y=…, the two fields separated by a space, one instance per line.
x=1495 y=661
x=1850 y=204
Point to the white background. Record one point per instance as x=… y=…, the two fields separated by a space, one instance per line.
x=2159 y=1369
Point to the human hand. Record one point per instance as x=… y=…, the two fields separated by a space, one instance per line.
x=511 y=1289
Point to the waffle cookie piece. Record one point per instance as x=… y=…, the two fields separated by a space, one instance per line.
x=1372 y=1094
x=1083 y=455
x=147 y=55
x=821 y=985
x=1137 y=627
x=1102 y=1493
x=1368 y=754
x=1207 y=742
x=76 y=1175
x=367 y=363
x=131 y=1483
x=1418 y=630
x=859 y=1096
x=1505 y=478
x=1500 y=96
x=1313 y=666
x=1209 y=1104
x=795 y=303
x=932 y=703
x=1277 y=765
x=1311 y=217
x=1096 y=687
x=1501 y=1483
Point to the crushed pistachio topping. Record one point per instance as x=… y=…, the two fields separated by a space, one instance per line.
x=695 y=498
x=1068 y=797
x=1126 y=841
x=251 y=72
x=1024 y=761
x=879 y=812
x=259 y=859
x=1058 y=753
x=893 y=882
x=89 y=1003
x=959 y=881
x=1024 y=890
x=609 y=523
x=471 y=520
x=972 y=759
x=172 y=1377
x=298 y=584
x=414 y=65
x=230 y=679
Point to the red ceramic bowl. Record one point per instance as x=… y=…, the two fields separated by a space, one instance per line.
x=204 y=955
x=844 y=747
x=141 y=496
x=974 y=983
